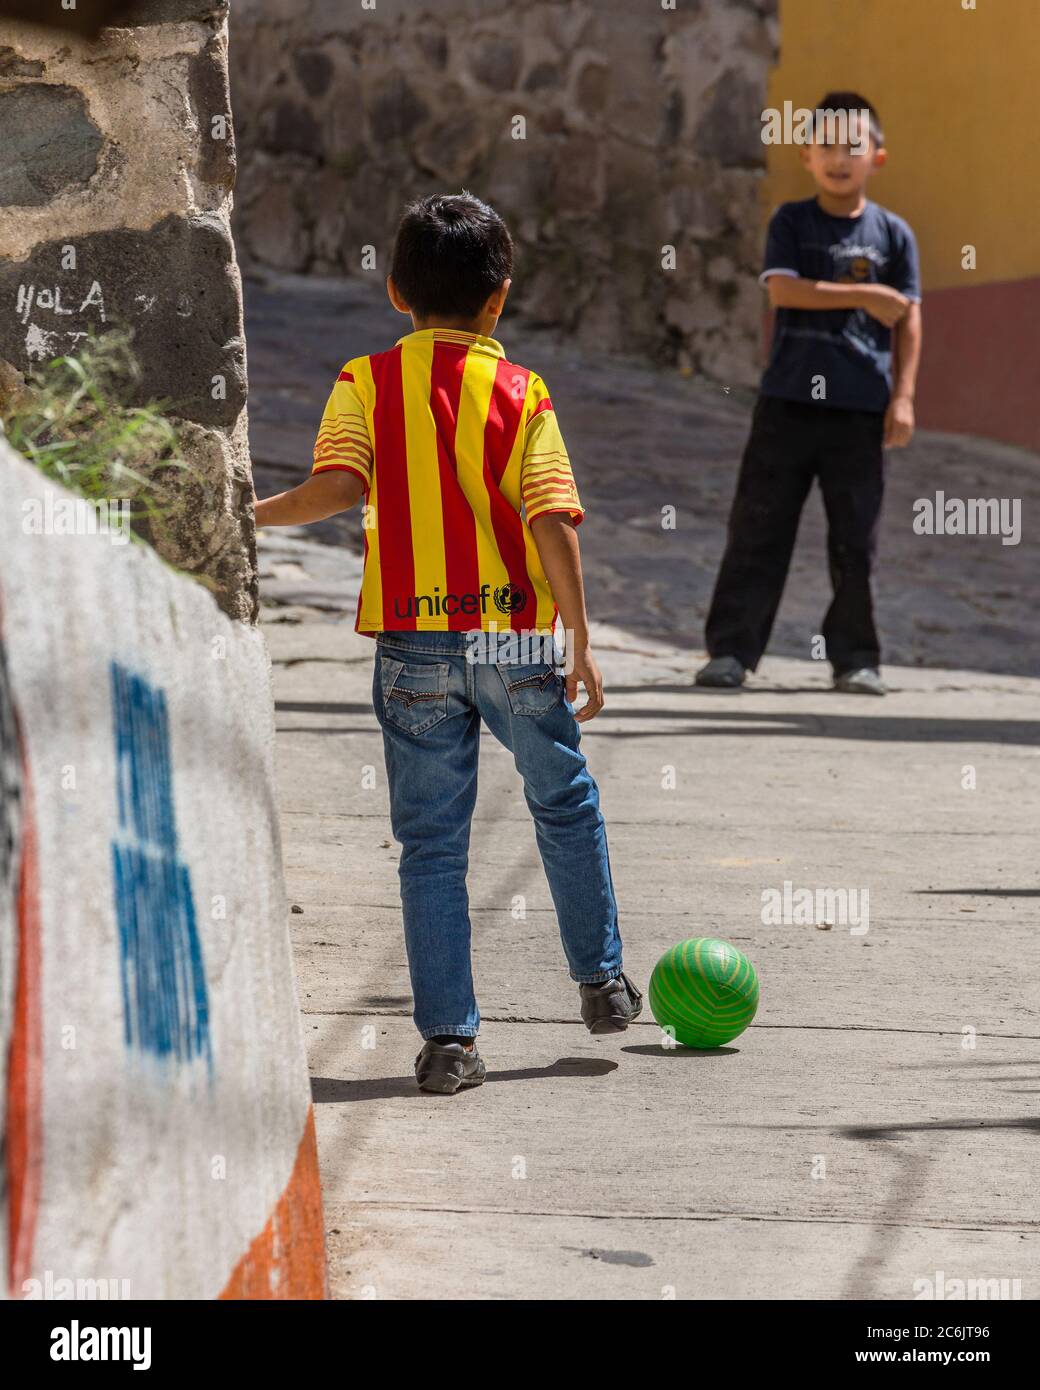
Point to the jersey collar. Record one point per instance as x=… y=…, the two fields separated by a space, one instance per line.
x=454 y=335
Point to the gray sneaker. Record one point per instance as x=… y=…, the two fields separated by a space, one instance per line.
x=447 y=1067
x=723 y=673
x=611 y=1006
x=866 y=681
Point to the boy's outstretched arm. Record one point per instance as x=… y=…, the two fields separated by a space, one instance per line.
x=557 y=543
x=321 y=495
x=906 y=354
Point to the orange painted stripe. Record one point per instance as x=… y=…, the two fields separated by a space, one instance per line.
x=287 y=1258
x=25 y=1062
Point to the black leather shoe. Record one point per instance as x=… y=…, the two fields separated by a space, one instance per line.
x=611 y=1006
x=447 y=1067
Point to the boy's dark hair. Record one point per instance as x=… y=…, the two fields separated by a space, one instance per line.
x=451 y=252
x=852 y=101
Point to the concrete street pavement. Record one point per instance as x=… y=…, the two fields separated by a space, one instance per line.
x=852 y=1142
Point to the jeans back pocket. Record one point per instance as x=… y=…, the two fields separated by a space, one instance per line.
x=415 y=694
x=531 y=689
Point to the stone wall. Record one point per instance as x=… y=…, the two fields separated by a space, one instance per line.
x=641 y=129
x=117 y=162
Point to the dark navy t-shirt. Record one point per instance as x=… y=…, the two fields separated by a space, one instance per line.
x=847 y=348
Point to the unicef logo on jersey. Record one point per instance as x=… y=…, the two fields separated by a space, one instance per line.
x=510 y=598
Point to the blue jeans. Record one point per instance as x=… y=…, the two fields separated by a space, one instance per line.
x=429 y=699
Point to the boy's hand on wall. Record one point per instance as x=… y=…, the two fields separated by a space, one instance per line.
x=884 y=303
x=899 y=422
x=584 y=671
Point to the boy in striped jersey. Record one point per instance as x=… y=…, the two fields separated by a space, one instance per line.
x=470 y=556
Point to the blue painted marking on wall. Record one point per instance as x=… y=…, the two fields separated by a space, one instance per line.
x=165 y=1001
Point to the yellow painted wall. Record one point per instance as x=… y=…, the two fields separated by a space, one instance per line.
x=958 y=93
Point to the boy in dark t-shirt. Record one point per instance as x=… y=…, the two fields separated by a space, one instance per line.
x=843 y=275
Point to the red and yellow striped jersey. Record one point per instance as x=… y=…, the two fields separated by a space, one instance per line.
x=451 y=441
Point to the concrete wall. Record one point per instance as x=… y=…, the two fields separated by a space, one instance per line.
x=158 y=1119
x=116 y=172
x=955 y=91
x=642 y=131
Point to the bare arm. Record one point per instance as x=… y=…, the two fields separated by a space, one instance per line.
x=906 y=349
x=882 y=302
x=557 y=544
x=906 y=354
x=322 y=495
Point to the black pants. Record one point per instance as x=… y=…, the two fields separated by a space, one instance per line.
x=790 y=445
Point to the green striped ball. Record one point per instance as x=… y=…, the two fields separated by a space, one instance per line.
x=705 y=990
